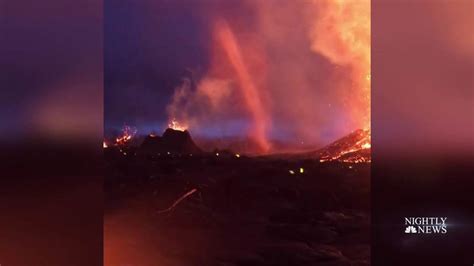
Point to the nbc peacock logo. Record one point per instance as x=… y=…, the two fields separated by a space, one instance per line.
x=426 y=225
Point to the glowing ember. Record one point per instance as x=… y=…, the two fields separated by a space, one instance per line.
x=189 y=193
x=366 y=146
x=127 y=135
x=175 y=125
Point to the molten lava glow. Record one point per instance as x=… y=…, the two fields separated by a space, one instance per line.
x=352 y=149
x=341 y=33
x=127 y=135
x=175 y=125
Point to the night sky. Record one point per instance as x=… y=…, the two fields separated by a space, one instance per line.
x=149 y=47
x=51 y=65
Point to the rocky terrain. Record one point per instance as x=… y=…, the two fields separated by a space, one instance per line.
x=229 y=209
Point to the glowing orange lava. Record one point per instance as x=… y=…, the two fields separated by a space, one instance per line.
x=354 y=148
x=127 y=135
x=175 y=125
x=341 y=32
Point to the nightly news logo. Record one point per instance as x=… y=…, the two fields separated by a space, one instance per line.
x=425 y=225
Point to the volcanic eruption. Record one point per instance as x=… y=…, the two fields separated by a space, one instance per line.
x=175 y=125
x=278 y=107
x=298 y=72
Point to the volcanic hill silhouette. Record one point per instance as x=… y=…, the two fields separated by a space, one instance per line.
x=174 y=141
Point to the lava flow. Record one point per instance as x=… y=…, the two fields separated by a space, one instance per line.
x=354 y=148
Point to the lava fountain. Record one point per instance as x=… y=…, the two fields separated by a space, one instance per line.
x=175 y=125
x=341 y=33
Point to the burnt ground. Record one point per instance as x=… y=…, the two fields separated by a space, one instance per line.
x=246 y=211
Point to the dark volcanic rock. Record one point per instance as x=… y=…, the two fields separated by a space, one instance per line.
x=248 y=211
x=298 y=253
x=173 y=141
x=301 y=232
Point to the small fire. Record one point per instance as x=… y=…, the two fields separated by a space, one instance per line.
x=127 y=134
x=175 y=125
x=104 y=145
